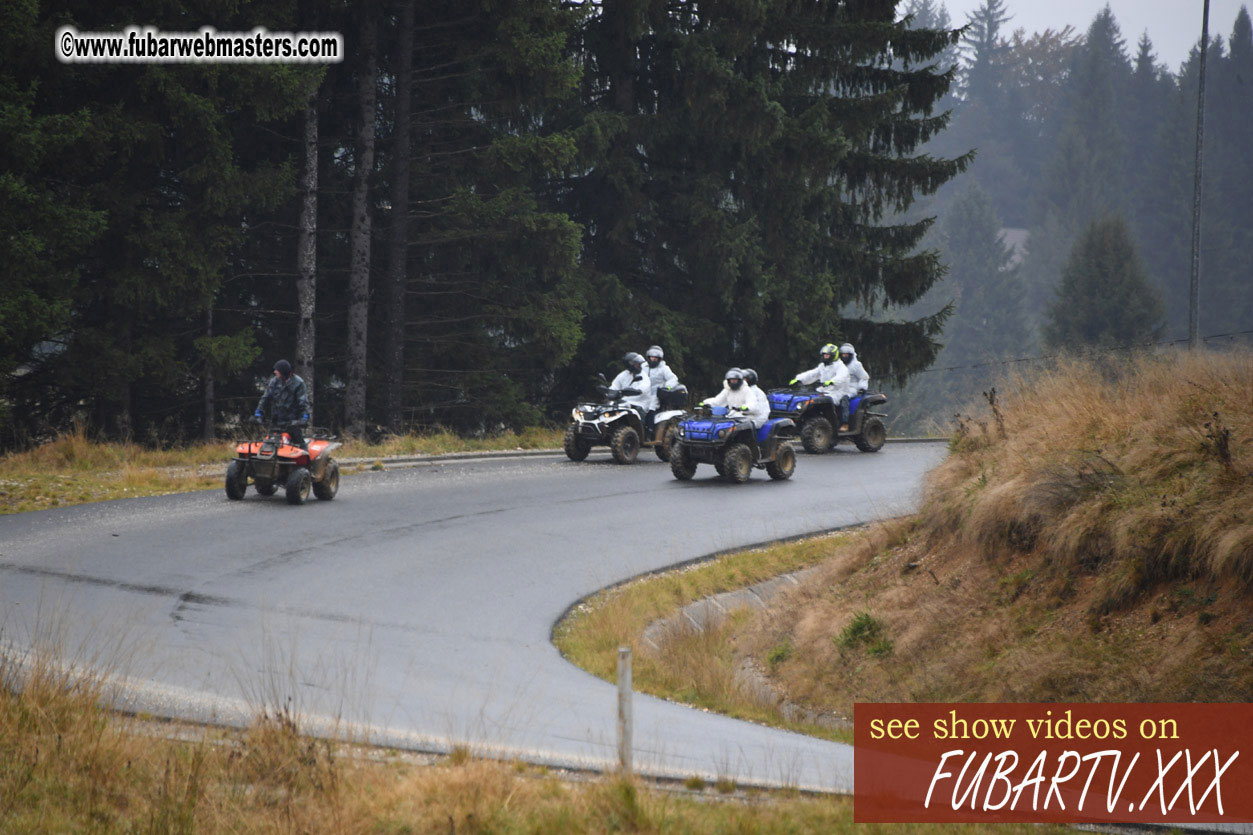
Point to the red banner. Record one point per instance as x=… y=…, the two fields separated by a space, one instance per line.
x=1130 y=763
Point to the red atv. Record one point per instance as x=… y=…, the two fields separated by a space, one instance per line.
x=275 y=461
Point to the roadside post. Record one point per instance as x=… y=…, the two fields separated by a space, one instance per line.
x=624 y=709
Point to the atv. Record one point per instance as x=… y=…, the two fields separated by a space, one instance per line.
x=732 y=445
x=275 y=461
x=619 y=426
x=815 y=413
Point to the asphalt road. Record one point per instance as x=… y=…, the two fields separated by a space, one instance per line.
x=417 y=607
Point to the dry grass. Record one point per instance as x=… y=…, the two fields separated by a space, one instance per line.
x=1090 y=538
x=66 y=765
x=75 y=468
x=1137 y=478
x=697 y=668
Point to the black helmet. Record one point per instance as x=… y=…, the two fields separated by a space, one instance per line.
x=283 y=367
x=750 y=376
x=633 y=361
x=655 y=355
x=734 y=378
x=828 y=352
x=847 y=353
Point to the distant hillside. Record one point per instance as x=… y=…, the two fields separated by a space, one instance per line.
x=1090 y=537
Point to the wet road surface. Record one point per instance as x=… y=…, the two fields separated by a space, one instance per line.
x=417 y=606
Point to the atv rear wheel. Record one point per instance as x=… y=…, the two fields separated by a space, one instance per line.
x=236 y=480
x=329 y=485
x=784 y=463
x=625 y=445
x=298 y=485
x=816 y=435
x=265 y=487
x=737 y=461
x=872 y=436
x=663 y=446
x=682 y=466
x=575 y=446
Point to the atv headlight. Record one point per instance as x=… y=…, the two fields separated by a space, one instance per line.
x=574 y=414
x=801 y=405
x=679 y=431
x=722 y=433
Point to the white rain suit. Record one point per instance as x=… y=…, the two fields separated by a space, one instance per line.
x=661 y=377
x=763 y=402
x=746 y=395
x=858 y=379
x=629 y=379
x=832 y=377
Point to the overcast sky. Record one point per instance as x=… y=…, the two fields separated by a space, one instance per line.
x=1174 y=26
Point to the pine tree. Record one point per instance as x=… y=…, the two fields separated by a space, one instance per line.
x=1105 y=299
x=741 y=163
x=985 y=50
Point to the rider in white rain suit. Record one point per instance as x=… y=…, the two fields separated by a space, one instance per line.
x=634 y=377
x=659 y=374
x=740 y=399
x=832 y=378
x=858 y=379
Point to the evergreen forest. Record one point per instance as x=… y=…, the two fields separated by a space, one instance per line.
x=487 y=202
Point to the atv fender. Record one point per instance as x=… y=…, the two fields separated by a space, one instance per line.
x=317 y=466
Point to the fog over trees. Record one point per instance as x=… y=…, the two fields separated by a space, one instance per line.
x=1082 y=133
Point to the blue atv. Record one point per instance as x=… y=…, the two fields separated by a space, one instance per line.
x=815 y=414
x=732 y=445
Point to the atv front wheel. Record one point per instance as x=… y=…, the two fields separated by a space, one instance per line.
x=784 y=463
x=663 y=446
x=265 y=487
x=872 y=436
x=236 y=481
x=682 y=466
x=298 y=484
x=625 y=445
x=816 y=435
x=329 y=485
x=576 y=447
x=738 y=463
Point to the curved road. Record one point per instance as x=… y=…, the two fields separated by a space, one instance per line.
x=417 y=607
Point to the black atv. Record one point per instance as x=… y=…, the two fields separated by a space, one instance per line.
x=815 y=414
x=619 y=426
x=732 y=445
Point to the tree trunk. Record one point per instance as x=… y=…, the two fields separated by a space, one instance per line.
x=210 y=407
x=307 y=252
x=397 y=278
x=359 y=280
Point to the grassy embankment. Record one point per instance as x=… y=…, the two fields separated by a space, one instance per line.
x=1089 y=538
x=75 y=469
x=66 y=765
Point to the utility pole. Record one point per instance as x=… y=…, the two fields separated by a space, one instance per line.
x=1195 y=289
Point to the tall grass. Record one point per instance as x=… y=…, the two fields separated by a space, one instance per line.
x=1140 y=473
x=1089 y=538
x=68 y=765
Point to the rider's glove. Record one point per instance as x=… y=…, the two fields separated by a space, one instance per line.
x=794 y=381
x=257 y=414
x=828 y=382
